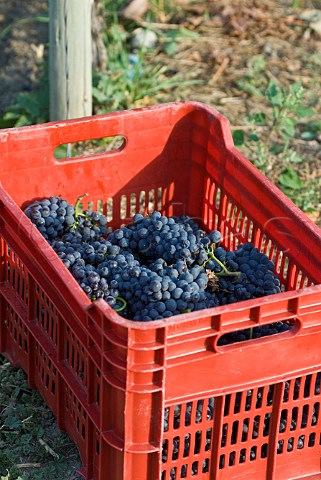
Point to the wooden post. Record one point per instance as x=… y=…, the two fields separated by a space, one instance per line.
x=70 y=58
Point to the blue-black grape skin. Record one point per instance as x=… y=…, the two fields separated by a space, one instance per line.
x=160 y=266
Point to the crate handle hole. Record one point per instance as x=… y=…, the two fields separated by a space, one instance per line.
x=259 y=332
x=88 y=148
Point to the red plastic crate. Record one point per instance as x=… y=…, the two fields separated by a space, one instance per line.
x=121 y=389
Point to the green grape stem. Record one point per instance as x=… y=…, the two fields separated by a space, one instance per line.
x=124 y=304
x=77 y=212
x=77 y=205
x=225 y=271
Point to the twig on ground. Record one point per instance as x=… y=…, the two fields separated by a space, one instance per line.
x=47 y=448
x=220 y=70
x=28 y=465
x=157 y=25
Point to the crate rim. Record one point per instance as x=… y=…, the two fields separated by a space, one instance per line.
x=130 y=111
x=237 y=307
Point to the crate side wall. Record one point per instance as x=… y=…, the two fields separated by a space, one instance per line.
x=36 y=337
x=157 y=148
x=246 y=206
x=272 y=431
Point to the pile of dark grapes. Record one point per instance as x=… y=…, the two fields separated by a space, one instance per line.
x=156 y=266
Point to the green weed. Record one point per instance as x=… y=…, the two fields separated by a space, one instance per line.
x=254 y=82
x=270 y=138
x=28 y=108
x=173 y=37
x=130 y=77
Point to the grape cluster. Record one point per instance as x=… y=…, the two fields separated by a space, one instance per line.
x=90 y=226
x=54 y=217
x=243 y=274
x=158 y=236
x=156 y=267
